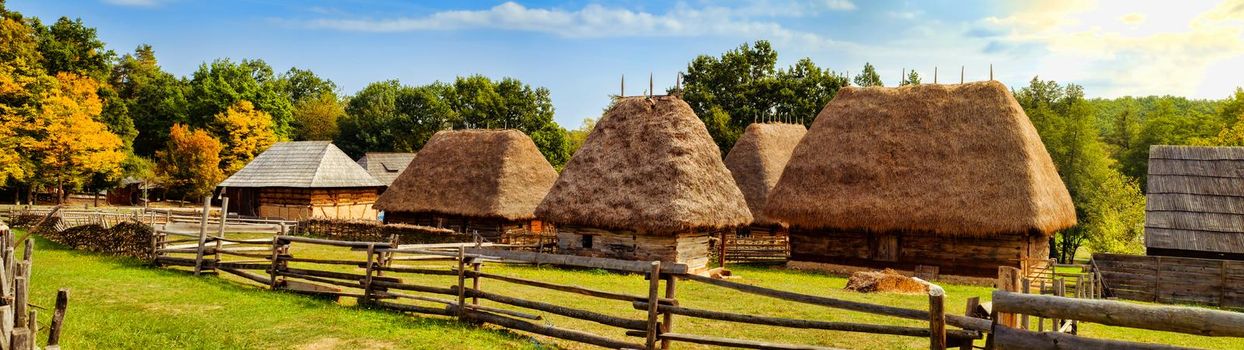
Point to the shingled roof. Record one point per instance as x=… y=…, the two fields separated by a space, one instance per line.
x=1195 y=199
x=385 y=166
x=302 y=164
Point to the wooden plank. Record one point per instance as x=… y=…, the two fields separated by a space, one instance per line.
x=1009 y=338
x=574 y=260
x=1180 y=319
x=551 y=331
x=337 y=243
x=557 y=309
x=738 y=343
x=806 y=324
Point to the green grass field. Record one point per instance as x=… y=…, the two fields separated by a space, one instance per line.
x=122 y=303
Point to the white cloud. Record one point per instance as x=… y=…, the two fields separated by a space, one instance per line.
x=134 y=3
x=595 y=21
x=844 y=5
x=1130 y=48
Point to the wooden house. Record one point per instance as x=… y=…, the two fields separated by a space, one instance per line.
x=947 y=178
x=302 y=180
x=385 y=166
x=1195 y=204
x=756 y=162
x=473 y=181
x=647 y=184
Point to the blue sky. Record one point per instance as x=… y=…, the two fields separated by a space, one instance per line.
x=578 y=49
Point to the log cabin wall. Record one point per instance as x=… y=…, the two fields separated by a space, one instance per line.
x=690 y=248
x=353 y=203
x=757 y=244
x=960 y=256
x=522 y=232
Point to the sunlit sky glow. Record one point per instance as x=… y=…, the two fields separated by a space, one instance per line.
x=578 y=49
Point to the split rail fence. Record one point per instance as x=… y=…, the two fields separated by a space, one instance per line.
x=271 y=263
x=19 y=326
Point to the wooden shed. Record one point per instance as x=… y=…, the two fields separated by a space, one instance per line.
x=948 y=177
x=647 y=184
x=1195 y=202
x=385 y=166
x=473 y=181
x=302 y=180
x=756 y=162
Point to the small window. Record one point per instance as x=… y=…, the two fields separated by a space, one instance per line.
x=586 y=241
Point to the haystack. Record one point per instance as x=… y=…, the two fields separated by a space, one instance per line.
x=952 y=176
x=302 y=180
x=884 y=281
x=757 y=160
x=648 y=184
x=484 y=181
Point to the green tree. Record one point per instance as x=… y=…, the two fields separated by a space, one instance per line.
x=153 y=98
x=315 y=118
x=743 y=86
x=71 y=46
x=1109 y=206
x=1166 y=124
x=575 y=138
x=868 y=77
x=303 y=84
x=388 y=117
x=217 y=86
x=912 y=78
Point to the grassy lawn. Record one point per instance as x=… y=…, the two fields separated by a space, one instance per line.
x=120 y=303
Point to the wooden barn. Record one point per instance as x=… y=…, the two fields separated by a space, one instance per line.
x=1195 y=202
x=756 y=162
x=946 y=178
x=385 y=166
x=473 y=181
x=647 y=184
x=302 y=180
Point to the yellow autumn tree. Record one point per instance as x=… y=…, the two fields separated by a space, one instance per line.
x=68 y=142
x=244 y=132
x=190 y=162
x=22 y=81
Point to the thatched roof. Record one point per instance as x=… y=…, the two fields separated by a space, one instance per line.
x=757 y=160
x=302 y=164
x=1195 y=199
x=473 y=173
x=385 y=167
x=958 y=160
x=650 y=166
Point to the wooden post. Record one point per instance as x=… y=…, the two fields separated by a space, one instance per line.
x=58 y=318
x=654 y=284
x=1059 y=289
x=972 y=304
x=961 y=70
x=32 y=323
x=721 y=251
x=475 y=281
x=224 y=213
x=371 y=253
x=935 y=74
x=937 y=317
x=1026 y=287
x=461 y=282
x=198 y=259
x=668 y=320
x=276 y=255
x=1008 y=280
x=20 y=301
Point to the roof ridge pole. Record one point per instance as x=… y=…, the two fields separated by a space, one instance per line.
x=622 y=87
x=991 y=71
x=961 y=70
x=651 y=92
x=935 y=74
x=902 y=77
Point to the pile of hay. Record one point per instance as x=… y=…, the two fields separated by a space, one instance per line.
x=886 y=281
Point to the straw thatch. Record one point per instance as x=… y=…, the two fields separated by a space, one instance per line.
x=1195 y=199
x=956 y=160
x=384 y=166
x=302 y=164
x=473 y=173
x=649 y=166
x=757 y=160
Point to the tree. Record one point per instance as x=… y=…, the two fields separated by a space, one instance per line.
x=868 y=77
x=70 y=143
x=217 y=86
x=315 y=118
x=1109 y=206
x=244 y=132
x=478 y=102
x=388 y=117
x=575 y=138
x=22 y=82
x=743 y=86
x=912 y=78
x=71 y=46
x=1167 y=124
x=153 y=98
x=190 y=162
x=303 y=84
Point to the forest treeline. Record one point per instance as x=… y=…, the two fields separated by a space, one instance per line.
x=77 y=116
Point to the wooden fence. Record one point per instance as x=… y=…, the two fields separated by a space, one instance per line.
x=1173 y=280
x=18 y=319
x=754 y=246
x=650 y=326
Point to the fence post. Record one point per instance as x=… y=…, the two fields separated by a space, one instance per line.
x=1059 y=289
x=276 y=255
x=224 y=213
x=475 y=266
x=198 y=259
x=654 y=283
x=461 y=282
x=668 y=324
x=1008 y=280
x=58 y=318
x=972 y=304
x=371 y=253
x=1026 y=285
x=937 y=317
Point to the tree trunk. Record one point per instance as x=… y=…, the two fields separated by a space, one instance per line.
x=96 y=198
x=60 y=192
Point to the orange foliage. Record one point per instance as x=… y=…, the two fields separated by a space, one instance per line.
x=191 y=162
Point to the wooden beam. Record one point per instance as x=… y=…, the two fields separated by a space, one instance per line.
x=349 y=244
x=560 y=310
x=738 y=343
x=805 y=324
x=1010 y=338
x=1190 y=320
x=551 y=331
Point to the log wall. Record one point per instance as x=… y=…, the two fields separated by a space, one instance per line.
x=757 y=244
x=305 y=203
x=1173 y=280
x=690 y=248
x=960 y=256
x=497 y=230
